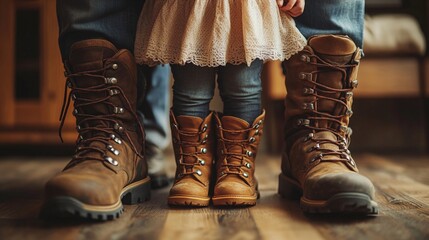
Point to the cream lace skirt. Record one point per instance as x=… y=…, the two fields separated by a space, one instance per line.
x=214 y=32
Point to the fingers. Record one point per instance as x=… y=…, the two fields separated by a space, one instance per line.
x=298 y=9
x=288 y=6
x=280 y=3
x=293 y=7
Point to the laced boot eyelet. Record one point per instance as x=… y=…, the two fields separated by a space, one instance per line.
x=346 y=156
x=305 y=76
x=118 y=127
x=249 y=153
x=308 y=106
x=308 y=91
x=315 y=147
x=115 y=66
x=248 y=165
x=118 y=110
x=308 y=137
x=319 y=156
x=202 y=162
x=305 y=58
x=110 y=80
x=204 y=140
x=111 y=161
x=258 y=124
x=113 y=150
x=113 y=92
x=204 y=129
x=303 y=122
x=245 y=175
x=115 y=139
x=198 y=172
x=118 y=141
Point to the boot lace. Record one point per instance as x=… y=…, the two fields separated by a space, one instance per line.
x=231 y=155
x=199 y=144
x=97 y=132
x=342 y=132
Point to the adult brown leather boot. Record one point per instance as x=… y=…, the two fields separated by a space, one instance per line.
x=108 y=165
x=194 y=152
x=237 y=146
x=316 y=163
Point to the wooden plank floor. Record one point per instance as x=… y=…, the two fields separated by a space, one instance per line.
x=402 y=185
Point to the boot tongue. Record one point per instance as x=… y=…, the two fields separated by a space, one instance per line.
x=336 y=50
x=90 y=54
x=191 y=126
x=235 y=124
x=333 y=49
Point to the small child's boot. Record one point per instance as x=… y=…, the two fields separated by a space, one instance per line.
x=236 y=152
x=194 y=152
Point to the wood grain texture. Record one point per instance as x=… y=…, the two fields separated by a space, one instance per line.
x=402 y=185
x=7 y=62
x=43 y=112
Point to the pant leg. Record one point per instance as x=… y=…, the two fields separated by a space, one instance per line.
x=345 y=17
x=112 y=20
x=153 y=111
x=193 y=89
x=241 y=90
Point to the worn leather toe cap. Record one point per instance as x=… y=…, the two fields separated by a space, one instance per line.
x=325 y=186
x=86 y=189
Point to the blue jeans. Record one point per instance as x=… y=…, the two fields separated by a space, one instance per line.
x=239 y=86
x=154 y=109
x=345 y=17
x=116 y=21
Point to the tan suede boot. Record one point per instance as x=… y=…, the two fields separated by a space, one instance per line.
x=235 y=168
x=108 y=164
x=194 y=152
x=316 y=163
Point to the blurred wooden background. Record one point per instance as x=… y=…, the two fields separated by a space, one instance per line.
x=391 y=103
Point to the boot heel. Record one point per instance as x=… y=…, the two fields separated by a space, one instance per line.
x=287 y=189
x=137 y=194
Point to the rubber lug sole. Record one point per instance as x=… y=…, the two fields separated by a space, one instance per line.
x=340 y=203
x=69 y=207
x=188 y=201
x=234 y=201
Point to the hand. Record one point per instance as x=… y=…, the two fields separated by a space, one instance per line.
x=292 y=7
